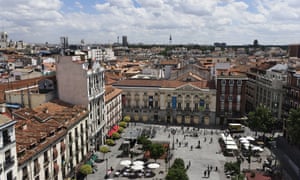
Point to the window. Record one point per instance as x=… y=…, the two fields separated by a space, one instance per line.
x=230 y=89
x=46 y=173
x=239 y=82
x=46 y=159
x=9 y=175
x=196 y=107
x=222 y=106
x=187 y=106
x=179 y=105
x=223 y=82
x=230 y=106
x=238 y=107
x=222 y=97
x=238 y=98
x=239 y=90
x=231 y=82
x=230 y=98
x=223 y=89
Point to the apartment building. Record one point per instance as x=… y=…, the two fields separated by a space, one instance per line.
x=80 y=81
x=230 y=99
x=8 y=158
x=265 y=87
x=51 y=140
x=168 y=102
x=113 y=106
x=292 y=93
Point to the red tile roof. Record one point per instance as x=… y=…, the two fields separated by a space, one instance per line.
x=42 y=127
x=160 y=83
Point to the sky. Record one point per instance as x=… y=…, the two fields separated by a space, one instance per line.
x=152 y=21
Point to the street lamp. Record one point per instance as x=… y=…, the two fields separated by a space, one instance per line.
x=173 y=132
x=106 y=161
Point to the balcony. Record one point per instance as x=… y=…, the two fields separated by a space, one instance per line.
x=55 y=153
x=25 y=175
x=37 y=168
x=6 y=141
x=62 y=147
x=46 y=161
x=9 y=162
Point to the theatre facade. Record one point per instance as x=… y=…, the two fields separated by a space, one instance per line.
x=169 y=102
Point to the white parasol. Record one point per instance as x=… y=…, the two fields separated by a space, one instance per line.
x=153 y=165
x=125 y=162
x=245 y=141
x=250 y=138
x=138 y=162
x=137 y=167
x=257 y=148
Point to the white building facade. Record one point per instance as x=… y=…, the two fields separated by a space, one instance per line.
x=81 y=81
x=8 y=158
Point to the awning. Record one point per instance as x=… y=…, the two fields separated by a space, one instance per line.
x=232 y=147
x=56 y=168
x=114 y=129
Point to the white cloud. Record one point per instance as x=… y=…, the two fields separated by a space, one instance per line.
x=79 y=5
x=152 y=21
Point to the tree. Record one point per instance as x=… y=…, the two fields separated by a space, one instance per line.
x=104 y=149
x=110 y=142
x=261 y=120
x=123 y=124
x=126 y=118
x=86 y=169
x=176 y=174
x=145 y=142
x=178 y=163
x=156 y=151
x=120 y=130
x=177 y=171
x=115 y=135
x=293 y=126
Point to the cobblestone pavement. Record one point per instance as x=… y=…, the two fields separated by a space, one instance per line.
x=199 y=158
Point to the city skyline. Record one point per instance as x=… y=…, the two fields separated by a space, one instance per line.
x=152 y=22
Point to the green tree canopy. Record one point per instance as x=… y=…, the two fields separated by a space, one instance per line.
x=104 y=149
x=293 y=126
x=120 y=130
x=141 y=139
x=115 y=135
x=110 y=142
x=261 y=119
x=177 y=171
x=123 y=124
x=127 y=118
x=157 y=150
x=86 y=169
x=145 y=142
x=178 y=163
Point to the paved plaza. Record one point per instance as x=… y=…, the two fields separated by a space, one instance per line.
x=186 y=141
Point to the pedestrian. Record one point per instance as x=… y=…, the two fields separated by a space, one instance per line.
x=216 y=168
x=208 y=173
x=189 y=163
x=191 y=148
x=205 y=173
x=211 y=167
